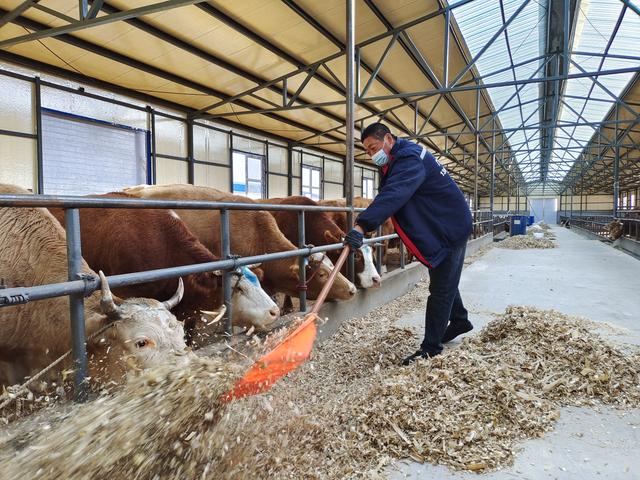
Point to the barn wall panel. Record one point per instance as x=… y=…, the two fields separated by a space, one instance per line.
x=171 y=171
x=212 y=176
x=18 y=161
x=277 y=186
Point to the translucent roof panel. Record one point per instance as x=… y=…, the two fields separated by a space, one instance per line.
x=520 y=43
x=602 y=28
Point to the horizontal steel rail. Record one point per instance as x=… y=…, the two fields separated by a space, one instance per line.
x=90 y=284
x=67 y=201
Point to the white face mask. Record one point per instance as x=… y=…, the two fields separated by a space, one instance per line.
x=380 y=158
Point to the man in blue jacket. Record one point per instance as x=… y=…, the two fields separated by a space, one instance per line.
x=433 y=220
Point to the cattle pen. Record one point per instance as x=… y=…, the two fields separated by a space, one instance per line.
x=178 y=179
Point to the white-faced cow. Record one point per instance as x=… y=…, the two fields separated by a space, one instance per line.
x=32 y=335
x=320 y=229
x=252 y=233
x=129 y=240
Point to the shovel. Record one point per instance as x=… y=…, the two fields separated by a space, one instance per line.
x=290 y=353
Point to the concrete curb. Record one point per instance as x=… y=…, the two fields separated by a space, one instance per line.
x=394 y=285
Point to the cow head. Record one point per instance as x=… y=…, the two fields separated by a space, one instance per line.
x=319 y=267
x=367 y=277
x=366 y=274
x=252 y=307
x=143 y=333
x=616 y=229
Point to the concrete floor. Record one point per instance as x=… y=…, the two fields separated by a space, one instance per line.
x=581 y=277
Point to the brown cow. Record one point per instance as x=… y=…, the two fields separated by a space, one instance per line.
x=32 y=335
x=615 y=229
x=252 y=233
x=131 y=240
x=359 y=202
x=320 y=229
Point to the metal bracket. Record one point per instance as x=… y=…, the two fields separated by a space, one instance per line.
x=17 y=299
x=90 y=283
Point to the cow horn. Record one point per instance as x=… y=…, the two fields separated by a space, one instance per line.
x=175 y=300
x=109 y=307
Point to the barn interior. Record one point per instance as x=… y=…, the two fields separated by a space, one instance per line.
x=532 y=106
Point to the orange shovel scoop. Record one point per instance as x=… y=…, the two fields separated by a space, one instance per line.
x=289 y=354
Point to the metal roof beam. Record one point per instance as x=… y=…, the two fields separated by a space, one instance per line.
x=95 y=22
x=117 y=57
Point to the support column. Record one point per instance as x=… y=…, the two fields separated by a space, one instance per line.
x=477 y=153
x=190 y=155
x=493 y=166
x=38 y=106
x=616 y=169
x=289 y=169
x=350 y=127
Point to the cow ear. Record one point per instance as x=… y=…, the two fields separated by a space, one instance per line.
x=258 y=273
x=294 y=269
x=329 y=237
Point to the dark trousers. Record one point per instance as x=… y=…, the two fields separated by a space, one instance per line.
x=444 y=304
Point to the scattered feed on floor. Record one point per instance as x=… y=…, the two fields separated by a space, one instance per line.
x=352 y=410
x=521 y=242
x=348 y=412
x=153 y=428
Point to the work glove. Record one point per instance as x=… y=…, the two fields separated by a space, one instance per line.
x=354 y=239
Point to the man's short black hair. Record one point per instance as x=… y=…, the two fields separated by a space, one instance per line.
x=377 y=130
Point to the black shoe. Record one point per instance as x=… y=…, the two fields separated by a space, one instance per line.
x=419 y=354
x=455 y=329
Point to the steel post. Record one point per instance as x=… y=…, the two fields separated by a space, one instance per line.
x=154 y=159
x=302 y=264
x=350 y=122
x=39 y=155
x=225 y=236
x=402 y=263
x=190 y=155
x=477 y=153
x=616 y=169
x=379 y=252
x=76 y=304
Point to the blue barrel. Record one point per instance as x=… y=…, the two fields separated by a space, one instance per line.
x=531 y=220
x=519 y=225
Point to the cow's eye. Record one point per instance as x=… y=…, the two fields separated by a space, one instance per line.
x=142 y=343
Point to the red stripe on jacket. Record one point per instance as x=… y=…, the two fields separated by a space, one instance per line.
x=403 y=236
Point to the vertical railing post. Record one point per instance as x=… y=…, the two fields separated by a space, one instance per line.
x=226 y=276
x=379 y=251
x=302 y=271
x=402 y=263
x=76 y=304
x=350 y=122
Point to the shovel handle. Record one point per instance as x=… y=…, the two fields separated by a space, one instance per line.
x=327 y=286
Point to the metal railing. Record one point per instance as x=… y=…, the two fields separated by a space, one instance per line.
x=593 y=223
x=79 y=285
x=501 y=223
x=597 y=223
x=482 y=223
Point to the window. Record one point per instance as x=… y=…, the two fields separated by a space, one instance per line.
x=311 y=182
x=367 y=187
x=248 y=173
x=83 y=156
x=632 y=203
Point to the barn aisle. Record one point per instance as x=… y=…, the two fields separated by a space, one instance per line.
x=581 y=277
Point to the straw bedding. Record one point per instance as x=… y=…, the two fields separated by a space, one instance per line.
x=521 y=242
x=347 y=413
